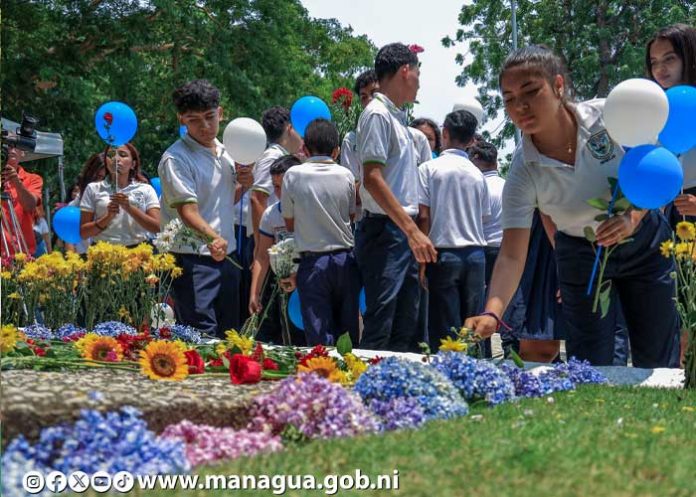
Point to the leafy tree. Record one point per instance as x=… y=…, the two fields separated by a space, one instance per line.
x=602 y=41
x=61 y=59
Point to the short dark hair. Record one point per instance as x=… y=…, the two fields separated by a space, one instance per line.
x=683 y=40
x=391 y=57
x=461 y=126
x=198 y=95
x=274 y=122
x=321 y=137
x=484 y=151
x=541 y=60
x=366 y=78
x=424 y=121
x=282 y=164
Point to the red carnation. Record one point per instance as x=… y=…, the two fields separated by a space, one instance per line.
x=416 y=48
x=195 y=362
x=343 y=96
x=165 y=332
x=244 y=370
x=270 y=364
x=258 y=353
x=109 y=118
x=375 y=360
x=317 y=351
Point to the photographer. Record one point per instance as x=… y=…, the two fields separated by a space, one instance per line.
x=24 y=190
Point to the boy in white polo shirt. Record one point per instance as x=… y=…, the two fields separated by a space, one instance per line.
x=454 y=200
x=318 y=203
x=200 y=186
x=389 y=244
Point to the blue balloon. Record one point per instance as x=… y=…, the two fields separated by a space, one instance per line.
x=679 y=134
x=306 y=110
x=116 y=123
x=650 y=176
x=182 y=130
x=294 y=310
x=66 y=224
x=363 y=304
x=157 y=185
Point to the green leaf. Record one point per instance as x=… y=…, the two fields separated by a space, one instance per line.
x=599 y=203
x=226 y=362
x=425 y=348
x=590 y=234
x=604 y=301
x=625 y=240
x=601 y=217
x=344 y=345
x=612 y=183
x=516 y=359
x=622 y=205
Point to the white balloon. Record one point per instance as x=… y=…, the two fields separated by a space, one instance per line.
x=473 y=106
x=245 y=140
x=635 y=112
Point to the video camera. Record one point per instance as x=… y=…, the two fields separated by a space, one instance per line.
x=23 y=138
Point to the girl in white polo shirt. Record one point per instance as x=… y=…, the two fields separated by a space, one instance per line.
x=121 y=214
x=564 y=159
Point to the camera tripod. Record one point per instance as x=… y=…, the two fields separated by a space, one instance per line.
x=10 y=227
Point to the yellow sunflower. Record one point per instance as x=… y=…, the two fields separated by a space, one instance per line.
x=99 y=348
x=682 y=250
x=163 y=360
x=355 y=365
x=449 y=344
x=243 y=343
x=686 y=231
x=324 y=367
x=666 y=248
x=8 y=338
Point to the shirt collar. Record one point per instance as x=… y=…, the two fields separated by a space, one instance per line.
x=281 y=148
x=493 y=173
x=455 y=151
x=400 y=114
x=219 y=148
x=321 y=159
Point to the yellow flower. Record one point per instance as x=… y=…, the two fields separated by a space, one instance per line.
x=682 y=250
x=5 y=275
x=99 y=348
x=449 y=344
x=152 y=279
x=14 y=295
x=176 y=272
x=686 y=231
x=124 y=314
x=20 y=257
x=243 y=343
x=666 y=248
x=355 y=365
x=220 y=349
x=163 y=360
x=324 y=367
x=657 y=429
x=8 y=338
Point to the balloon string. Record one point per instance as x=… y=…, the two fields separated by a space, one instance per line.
x=599 y=249
x=239 y=231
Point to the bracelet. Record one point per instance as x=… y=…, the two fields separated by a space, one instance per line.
x=500 y=322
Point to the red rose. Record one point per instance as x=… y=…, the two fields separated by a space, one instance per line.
x=244 y=370
x=39 y=352
x=195 y=362
x=108 y=117
x=344 y=96
x=258 y=353
x=270 y=364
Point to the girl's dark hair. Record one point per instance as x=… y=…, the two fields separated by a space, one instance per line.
x=540 y=60
x=683 y=40
x=424 y=121
x=135 y=173
x=90 y=170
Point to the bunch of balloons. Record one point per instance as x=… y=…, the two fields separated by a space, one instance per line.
x=659 y=126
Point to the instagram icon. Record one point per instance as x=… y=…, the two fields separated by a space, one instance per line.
x=33 y=482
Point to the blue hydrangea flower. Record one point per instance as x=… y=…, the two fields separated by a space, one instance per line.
x=113 y=329
x=112 y=442
x=475 y=379
x=38 y=331
x=530 y=385
x=580 y=372
x=67 y=331
x=398 y=413
x=186 y=334
x=394 y=377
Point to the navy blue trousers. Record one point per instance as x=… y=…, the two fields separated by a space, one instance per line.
x=456 y=283
x=392 y=292
x=641 y=284
x=206 y=295
x=329 y=289
x=245 y=255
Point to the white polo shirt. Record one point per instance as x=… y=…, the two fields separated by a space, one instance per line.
x=456 y=192
x=349 y=155
x=383 y=137
x=688 y=161
x=320 y=196
x=190 y=172
x=242 y=213
x=560 y=190
x=421 y=145
x=492 y=225
x=123 y=229
x=273 y=223
x=262 y=171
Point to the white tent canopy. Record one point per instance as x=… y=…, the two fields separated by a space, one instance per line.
x=47 y=144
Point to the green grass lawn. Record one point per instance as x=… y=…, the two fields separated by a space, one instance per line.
x=596 y=441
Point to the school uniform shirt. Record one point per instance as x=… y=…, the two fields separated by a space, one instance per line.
x=320 y=196
x=455 y=191
x=688 y=161
x=242 y=213
x=561 y=190
x=273 y=223
x=262 y=171
x=492 y=225
x=80 y=248
x=349 y=155
x=421 y=145
x=123 y=228
x=192 y=173
x=384 y=138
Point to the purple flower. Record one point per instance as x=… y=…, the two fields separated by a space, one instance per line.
x=398 y=413
x=313 y=406
x=68 y=330
x=113 y=329
x=528 y=384
x=206 y=444
x=38 y=331
x=580 y=372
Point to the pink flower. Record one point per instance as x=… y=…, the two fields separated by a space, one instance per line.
x=416 y=48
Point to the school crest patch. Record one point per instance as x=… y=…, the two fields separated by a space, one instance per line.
x=601 y=146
